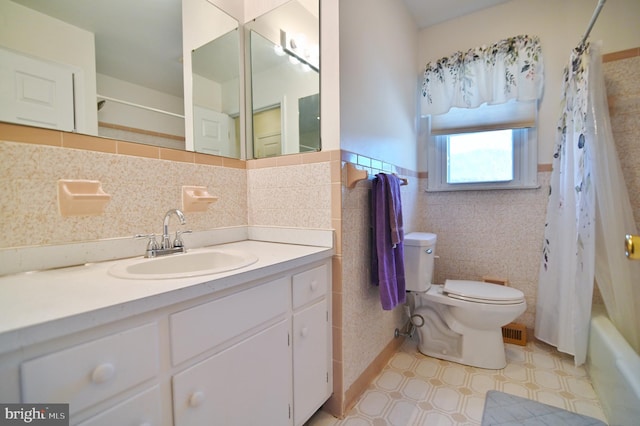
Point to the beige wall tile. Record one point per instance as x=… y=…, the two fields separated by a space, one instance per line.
x=295 y=195
x=12 y=132
x=234 y=163
x=176 y=155
x=142 y=190
x=290 y=160
x=138 y=150
x=210 y=160
x=92 y=143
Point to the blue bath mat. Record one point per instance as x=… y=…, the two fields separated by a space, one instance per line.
x=502 y=409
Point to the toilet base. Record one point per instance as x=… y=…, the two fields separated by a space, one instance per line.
x=490 y=354
x=476 y=348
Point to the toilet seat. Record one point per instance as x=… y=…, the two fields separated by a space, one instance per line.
x=481 y=292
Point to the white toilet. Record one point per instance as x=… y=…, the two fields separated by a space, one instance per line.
x=459 y=321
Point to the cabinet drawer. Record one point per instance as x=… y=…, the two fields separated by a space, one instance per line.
x=140 y=410
x=203 y=327
x=310 y=285
x=93 y=371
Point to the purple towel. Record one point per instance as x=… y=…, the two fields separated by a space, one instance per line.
x=387 y=269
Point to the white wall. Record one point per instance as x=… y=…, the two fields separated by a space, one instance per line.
x=36 y=34
x=378 y=83
x=560 y=26
x=234 y=8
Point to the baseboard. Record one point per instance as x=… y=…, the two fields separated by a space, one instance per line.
x=362 y=382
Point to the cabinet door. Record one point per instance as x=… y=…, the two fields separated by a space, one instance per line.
x=311 y=360
x=246 y=384
x=35 y=92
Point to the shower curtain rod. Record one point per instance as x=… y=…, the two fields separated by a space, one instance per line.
x=594 y=17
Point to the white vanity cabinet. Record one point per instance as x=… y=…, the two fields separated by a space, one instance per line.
x=311 y=345
x=248 y=381
x=276 y=370
x=256 y=352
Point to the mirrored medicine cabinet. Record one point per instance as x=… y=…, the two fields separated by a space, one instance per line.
x=278 y=52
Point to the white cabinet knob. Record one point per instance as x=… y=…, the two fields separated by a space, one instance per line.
x=103 y=373
x=196 y=399
x=304 y=332
x=314 y=285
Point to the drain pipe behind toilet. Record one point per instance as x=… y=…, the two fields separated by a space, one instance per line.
x=414 y=321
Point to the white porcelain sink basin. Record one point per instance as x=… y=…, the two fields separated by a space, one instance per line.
x=191 y=264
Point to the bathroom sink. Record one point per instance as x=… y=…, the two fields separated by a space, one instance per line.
x=191 y=264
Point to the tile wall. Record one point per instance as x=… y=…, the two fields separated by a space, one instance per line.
x=293 y=190
x=142 y=183
x=494 y=233
x=365 y=330
x=622 y=81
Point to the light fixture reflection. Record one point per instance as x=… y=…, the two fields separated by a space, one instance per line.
x=300 y=50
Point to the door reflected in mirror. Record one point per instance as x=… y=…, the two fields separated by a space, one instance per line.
x=285 y=80
x=216 y=96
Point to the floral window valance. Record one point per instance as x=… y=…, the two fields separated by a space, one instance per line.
x=509 y=69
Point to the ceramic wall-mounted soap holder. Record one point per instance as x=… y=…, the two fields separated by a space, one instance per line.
x=196 y=198
x=78 y=197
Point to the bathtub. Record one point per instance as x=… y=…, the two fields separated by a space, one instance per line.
x=614 y=368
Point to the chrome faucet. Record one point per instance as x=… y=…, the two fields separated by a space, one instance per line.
x=166 y=246
x=166 y=240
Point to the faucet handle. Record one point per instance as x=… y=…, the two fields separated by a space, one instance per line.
x=152 y=244
x=177 y=242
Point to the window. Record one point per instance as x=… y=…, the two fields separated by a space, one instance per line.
x=480 y=157
x=494 y=159
x=471 y=95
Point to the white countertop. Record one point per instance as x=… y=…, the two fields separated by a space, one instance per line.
x=41 y=305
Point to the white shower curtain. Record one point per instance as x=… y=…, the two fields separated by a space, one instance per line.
x=587 y=217
x=617 y=277
x=565 y=285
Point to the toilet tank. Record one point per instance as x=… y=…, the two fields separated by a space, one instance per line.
x=419 y=253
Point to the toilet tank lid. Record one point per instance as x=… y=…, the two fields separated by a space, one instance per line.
x=420 y=239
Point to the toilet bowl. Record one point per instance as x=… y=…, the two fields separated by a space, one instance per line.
x=461 y=320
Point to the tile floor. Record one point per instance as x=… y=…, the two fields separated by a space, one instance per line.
x=414 y=389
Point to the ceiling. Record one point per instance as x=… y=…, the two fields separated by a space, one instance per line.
x=126 y=31
x=431 y=12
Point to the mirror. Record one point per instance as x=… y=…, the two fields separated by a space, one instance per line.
x=216 y=96
x=127 y=56
x=285 y=80
x=122 y=39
